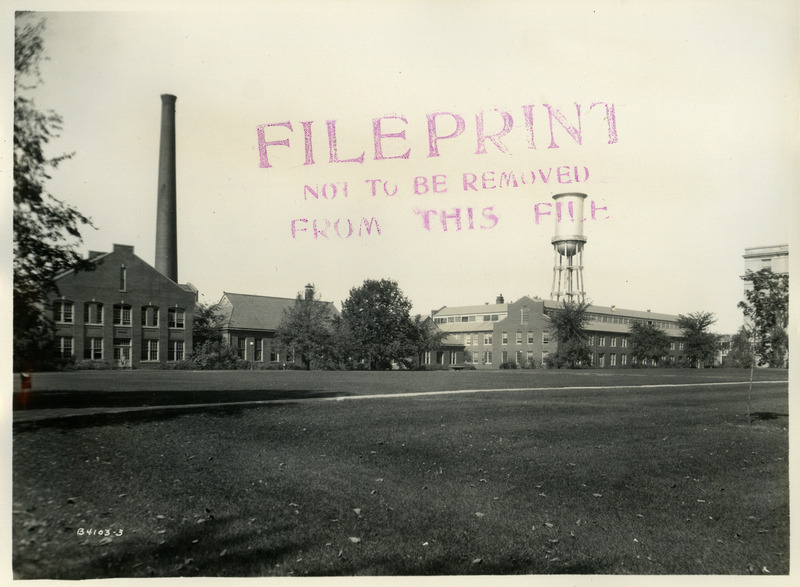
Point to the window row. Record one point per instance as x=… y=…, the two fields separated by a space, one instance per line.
x=474 y=339
x=258 y=345
x=64 y=313
x=470 y=318
x=94 y=349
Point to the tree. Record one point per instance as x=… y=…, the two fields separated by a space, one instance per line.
x=206 y=324
x=648 y=342
x=569 y=326
x=701 y=345
x=376 y=319
x=767 y=306
x=46 y=230
x=307 y=329
x=741 y=353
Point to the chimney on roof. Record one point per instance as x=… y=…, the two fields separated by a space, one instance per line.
x=167 y=218
x=500 y=299
x=309 y=291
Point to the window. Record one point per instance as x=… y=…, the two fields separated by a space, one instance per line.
x=486 y=317
x=672 y=346
x=464 y=318
x=524 y=315
x=624 y=359
x=63 y=347
x=613 y=341
x=92 y=313
x=601 y=340
x=150 y=350
x=519 y=358
x=613 y=360
x=440 y=358
x=453 y=358
x=176 y=318
x=241 y=347
x=487 y=357
x=519 y=338
x=149 y=316
x=495 y=317
x=487 y=339
x=123 y=278
x=451 y=319
x=505 y=357
x=175 y=350
x=62 y=311
x=93 y=349
x=545 y=337
x=601 y=360
x=426 y=358
x=505 y=338
x=529 y=358
x=624 y=343
x=259 y=350
x=680 y=346
x=529 y=336
x=274 y=355
x=122 y=315
x=544 y=357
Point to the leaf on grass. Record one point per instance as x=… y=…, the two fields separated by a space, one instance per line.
x=764 y=570
x=548 y=524
x=355 y=540
x=554 y=540
x=105 y=541
x=477 y=561
x=542 y=495
x=357 y=511
x=597 y=494
x=480 y=514
x=701 y=501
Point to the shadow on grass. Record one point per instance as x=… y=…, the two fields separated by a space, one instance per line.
x=135 y=416
x=216 y=547
x=766 y=416
x=116 y=399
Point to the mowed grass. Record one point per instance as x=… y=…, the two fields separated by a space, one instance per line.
x=612 y=481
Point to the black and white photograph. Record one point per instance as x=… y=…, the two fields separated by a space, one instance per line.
x=407 y=291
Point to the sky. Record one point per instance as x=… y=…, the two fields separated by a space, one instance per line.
x=696 y=161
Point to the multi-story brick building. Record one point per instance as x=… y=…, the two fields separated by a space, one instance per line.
x=520 y=332
x=123 y=313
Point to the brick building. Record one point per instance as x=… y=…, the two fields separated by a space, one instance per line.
x=519 y=332
x=249 y=324
x=123 y=313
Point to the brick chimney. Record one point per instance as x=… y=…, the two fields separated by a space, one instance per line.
x=167 y=219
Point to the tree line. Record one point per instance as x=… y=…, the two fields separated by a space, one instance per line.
x=375 y=330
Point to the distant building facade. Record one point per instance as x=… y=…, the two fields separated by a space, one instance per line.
x=775 y=258
x=122 y=314
x=249 y=324
x=520 y=333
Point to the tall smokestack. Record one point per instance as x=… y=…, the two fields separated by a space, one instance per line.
x=167 y=219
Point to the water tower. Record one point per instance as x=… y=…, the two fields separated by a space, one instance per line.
x=568 y=245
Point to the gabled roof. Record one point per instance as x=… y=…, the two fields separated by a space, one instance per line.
x=253 y=312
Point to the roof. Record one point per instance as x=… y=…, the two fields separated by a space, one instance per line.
x=253 y=312
x=466 y=310
x=614 y=311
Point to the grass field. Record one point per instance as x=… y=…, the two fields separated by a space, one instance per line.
x=613 y=479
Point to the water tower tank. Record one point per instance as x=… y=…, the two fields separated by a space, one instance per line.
x=569 y=223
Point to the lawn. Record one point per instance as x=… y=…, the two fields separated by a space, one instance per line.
x=611 y=480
